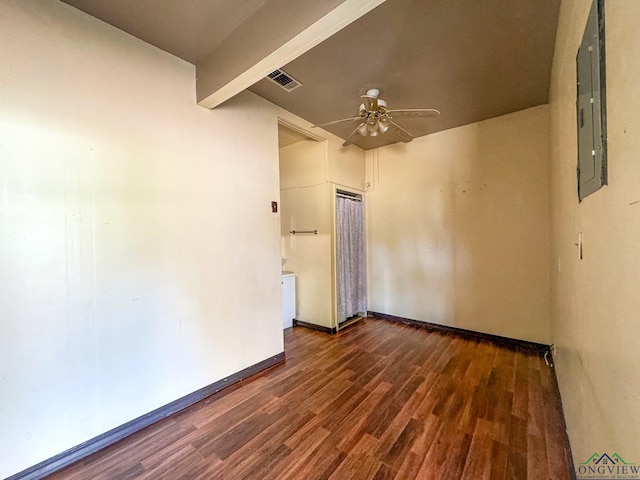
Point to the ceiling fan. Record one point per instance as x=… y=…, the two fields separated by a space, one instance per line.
x=376 y=119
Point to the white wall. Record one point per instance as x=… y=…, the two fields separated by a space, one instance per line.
x=595 y=301
x=458 y=227
x=139 y=259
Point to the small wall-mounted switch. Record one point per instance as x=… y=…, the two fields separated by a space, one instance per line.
x=579 y=245
x=274 y=207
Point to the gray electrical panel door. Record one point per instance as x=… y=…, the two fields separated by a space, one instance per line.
x=591 y=115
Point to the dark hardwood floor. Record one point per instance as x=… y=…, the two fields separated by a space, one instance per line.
x=378 y=400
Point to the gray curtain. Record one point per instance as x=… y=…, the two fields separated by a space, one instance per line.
x=352 y=280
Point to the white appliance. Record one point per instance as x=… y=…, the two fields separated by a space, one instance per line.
x=288 y=299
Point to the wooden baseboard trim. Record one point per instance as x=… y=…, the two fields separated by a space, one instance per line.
x=313 y=326
x=47 y=467
x=540 y=348
x=556 y=388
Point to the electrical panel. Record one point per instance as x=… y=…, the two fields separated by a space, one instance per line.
x=591 y=105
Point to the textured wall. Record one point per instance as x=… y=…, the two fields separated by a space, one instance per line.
x=139 y=258
x=458 y=227
x=595 y=301
x=310 y=172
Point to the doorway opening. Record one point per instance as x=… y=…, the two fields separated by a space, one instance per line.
x=301 y=234
x=350 y=258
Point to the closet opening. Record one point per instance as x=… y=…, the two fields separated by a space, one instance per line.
x=350 y=258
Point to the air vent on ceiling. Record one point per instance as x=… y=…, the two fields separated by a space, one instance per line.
x=283 y=79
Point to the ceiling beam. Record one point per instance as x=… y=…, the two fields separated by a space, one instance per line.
x=275 y=35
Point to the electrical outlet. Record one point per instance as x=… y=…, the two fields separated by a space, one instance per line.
x=549 y=355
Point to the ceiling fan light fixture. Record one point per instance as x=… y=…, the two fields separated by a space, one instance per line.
x=376 y=119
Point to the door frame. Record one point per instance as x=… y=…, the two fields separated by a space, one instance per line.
x=334 y=243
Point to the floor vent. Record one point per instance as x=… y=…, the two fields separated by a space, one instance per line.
x=283 y=79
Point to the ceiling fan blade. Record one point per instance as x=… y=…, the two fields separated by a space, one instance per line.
x=349 y=139
x=414 y=112
x=400 y=132
x=338 y=121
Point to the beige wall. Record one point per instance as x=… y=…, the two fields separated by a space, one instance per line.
x=139 y=258
x=309 y=256
x=346 y=166
x=596 y=305
x=457 y=226
x=303 y=165
x=305 y=205
x=310 y=172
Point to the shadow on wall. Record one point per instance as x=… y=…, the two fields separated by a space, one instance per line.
x=458 y=227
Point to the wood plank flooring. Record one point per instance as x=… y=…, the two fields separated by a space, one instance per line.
x=378 y=400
